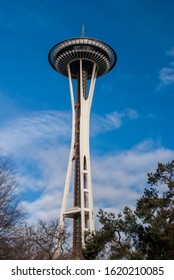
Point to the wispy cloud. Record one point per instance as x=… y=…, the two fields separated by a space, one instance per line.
x=166 y=75
x=111 y=121
x=44 y=128
x=42 y=139
x=121 y=177
x=40 y=144
x=38 y=128
x=118 y=179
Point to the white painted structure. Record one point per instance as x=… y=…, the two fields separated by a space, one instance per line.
x=82 y=59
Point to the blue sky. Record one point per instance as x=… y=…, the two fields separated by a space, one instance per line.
x=132 y=111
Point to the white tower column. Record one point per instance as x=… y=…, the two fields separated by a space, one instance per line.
x=80 y=155
x=83 y=60
x=87 y=213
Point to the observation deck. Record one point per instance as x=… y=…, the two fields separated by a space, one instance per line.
x=89 y=50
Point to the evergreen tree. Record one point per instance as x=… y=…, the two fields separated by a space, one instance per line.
x=144 y=233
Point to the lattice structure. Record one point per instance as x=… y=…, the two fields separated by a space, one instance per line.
x=82 y=59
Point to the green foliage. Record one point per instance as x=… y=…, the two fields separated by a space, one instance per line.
x=145 y=233
x=95 y=243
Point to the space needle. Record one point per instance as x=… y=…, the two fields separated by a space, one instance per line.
x=82 y=60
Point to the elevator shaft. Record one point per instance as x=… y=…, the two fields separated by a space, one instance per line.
x=77 y=232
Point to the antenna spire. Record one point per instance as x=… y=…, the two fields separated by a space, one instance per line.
x=83 y=30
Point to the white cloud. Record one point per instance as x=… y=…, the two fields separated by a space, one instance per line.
x=40 y=144
x=47 y=207
x=111 y=121
x=118 y=179
x=131 y=113
x=166 y=75
x=21 y=134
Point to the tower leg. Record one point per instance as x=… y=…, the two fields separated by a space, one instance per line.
x=87 y=215
x=82 y=211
